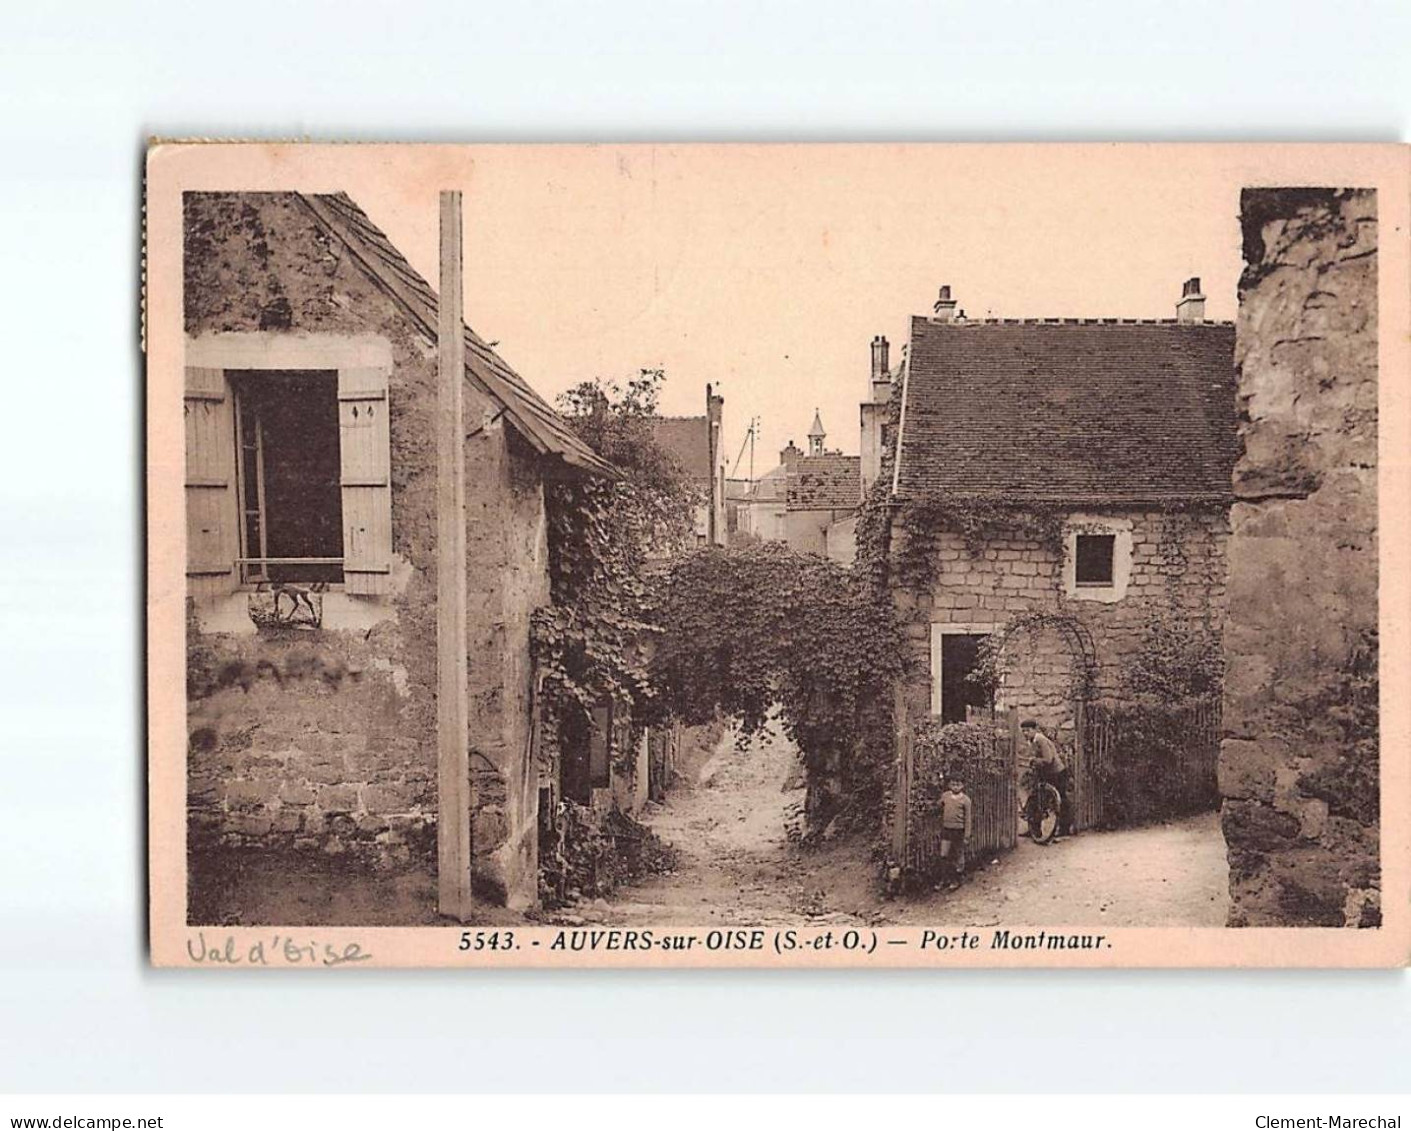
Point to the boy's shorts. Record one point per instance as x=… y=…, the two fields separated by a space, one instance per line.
x=952 y=842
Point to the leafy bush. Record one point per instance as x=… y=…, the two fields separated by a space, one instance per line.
x=758 y=625
x=588 y=854
x=1160 y=759
x=1179 y=659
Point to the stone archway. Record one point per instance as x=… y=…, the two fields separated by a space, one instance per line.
x=1044 y=665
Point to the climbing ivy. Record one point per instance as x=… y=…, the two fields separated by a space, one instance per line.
x=978 y=519
x=1178 y=659
x=761 y=626
x=992 y=658
x=590 y=642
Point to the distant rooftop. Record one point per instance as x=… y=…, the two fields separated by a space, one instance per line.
x=826 y=482
x=688 y=439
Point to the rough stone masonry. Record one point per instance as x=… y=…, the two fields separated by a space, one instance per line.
x=1299 y=762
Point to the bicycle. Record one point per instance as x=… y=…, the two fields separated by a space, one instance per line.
x=1043 y=810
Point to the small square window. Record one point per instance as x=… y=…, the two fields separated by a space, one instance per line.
x=1094 y=559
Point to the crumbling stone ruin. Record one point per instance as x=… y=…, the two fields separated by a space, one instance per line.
x=1299 y=762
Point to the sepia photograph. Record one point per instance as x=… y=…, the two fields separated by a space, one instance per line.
x=845 y=561
x=675 y=551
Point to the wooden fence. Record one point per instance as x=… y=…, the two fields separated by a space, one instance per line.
x=1130 y=764
x=1138 y=763
x=994 y=794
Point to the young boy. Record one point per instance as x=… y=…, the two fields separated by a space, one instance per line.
x=956 y=811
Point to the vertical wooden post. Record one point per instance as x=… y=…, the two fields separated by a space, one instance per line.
x=1011 y=719
x=901 y=801
x=452 y=706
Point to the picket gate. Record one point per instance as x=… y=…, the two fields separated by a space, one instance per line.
x=994 y=796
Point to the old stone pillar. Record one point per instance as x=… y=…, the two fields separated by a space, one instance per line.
x=1299 y=760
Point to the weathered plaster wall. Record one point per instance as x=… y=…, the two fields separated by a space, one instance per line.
x=807 y=531
x=325 y=740
x=507 y=579
x=840 y=541
x=1299 y=762
x=1177 y=565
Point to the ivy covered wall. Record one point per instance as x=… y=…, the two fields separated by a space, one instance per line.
x=951 y=571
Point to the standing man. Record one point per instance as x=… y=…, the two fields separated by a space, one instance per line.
x=1049 y=766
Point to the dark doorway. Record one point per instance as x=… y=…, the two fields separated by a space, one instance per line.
x=960 y=656
x=575 y=778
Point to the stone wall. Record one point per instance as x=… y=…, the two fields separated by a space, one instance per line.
x=1177 y=568
x=324 y=739
x=1299 y=762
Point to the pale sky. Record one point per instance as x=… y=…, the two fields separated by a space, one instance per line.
x=768 y=269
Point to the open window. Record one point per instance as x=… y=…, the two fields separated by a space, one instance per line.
x=288 y=476
x=1094 y=556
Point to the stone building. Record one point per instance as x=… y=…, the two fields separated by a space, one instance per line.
x=805 y=499
x=311 y=372
x=823 y=492
x=762 y=505
x=1063 y=484
x=1299 y=763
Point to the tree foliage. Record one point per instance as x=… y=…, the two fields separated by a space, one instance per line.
x=591 y=642
x=755 y=626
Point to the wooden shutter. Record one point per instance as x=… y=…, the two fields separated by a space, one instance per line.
x=365 y=444
x=212 y=513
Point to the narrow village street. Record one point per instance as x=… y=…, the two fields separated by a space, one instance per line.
x=736 y=865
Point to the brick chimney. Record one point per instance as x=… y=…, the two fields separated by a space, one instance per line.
x=1191 y=309
x=790 y=454
x=945 y=307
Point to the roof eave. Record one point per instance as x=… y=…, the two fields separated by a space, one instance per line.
x=1074 y=500
x=585 y=460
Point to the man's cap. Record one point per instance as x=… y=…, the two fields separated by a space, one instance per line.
x=1029 y=723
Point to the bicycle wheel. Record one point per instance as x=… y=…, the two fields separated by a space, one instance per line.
x=1043 y=813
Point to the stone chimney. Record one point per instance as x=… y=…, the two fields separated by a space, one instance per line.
x=715 y=422
x=945 y=306
x=790 y=454
x=1191 y=308
x=881 y=369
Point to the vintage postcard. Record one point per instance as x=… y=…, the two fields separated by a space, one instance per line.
x=790 y=556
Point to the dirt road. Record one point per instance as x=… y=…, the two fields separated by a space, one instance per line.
x=737 y=866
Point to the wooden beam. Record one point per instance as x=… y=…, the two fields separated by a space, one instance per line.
x=453 y=818
x=901 y=801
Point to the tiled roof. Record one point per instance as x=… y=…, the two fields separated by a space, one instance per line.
x=688 y=439
x=1069 y=410
x=525 y=409
x=829 y=482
